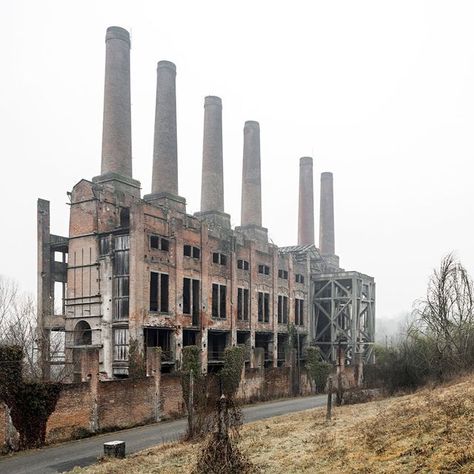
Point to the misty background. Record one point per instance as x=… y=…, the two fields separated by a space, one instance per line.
x=379 y=93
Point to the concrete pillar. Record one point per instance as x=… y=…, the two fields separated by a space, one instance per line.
x=212 y=185
x=306 y=203
x=45 y=296
x=251 y=177
x=117 y=125
x=326 y=222
x=165 y=151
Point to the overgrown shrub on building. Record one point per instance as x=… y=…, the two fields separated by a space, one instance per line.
x=317 y=369
x=136 y=360
x=198 y=412
x=220 y=453
x=30 y=403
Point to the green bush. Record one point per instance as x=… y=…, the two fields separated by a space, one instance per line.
x=318 y=370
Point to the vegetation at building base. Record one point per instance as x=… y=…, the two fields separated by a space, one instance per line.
x=221 y=453
x=136 y=360
x=439 y=342
x=30 y=403
x=317 y=369
x=198 y=411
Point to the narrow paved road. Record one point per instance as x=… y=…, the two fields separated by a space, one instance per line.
x=63 y=457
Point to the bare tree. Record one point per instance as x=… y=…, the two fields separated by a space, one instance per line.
x=18 y=326
x=446 y=317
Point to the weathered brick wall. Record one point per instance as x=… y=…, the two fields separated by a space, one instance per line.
x=130 y=402
x=125 y=403
x=172 y=405
x=72 y=415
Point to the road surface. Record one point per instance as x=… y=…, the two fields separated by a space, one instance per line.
x=63 y=457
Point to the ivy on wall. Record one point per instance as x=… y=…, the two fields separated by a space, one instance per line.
x=30 y=403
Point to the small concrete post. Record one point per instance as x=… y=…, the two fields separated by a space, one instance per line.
x=251 y=177
x=114 y=449
x=212 y=184
x=306 y=203
x=326 y=217
x=117 y=125
x=165 y=151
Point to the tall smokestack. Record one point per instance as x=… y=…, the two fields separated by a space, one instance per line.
x=117 y=125
x=326 y=223
x=251 y=213
x=165 y=151
x=306 y=203
x=212 y=184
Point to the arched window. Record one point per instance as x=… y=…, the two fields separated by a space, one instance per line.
x=82 y=334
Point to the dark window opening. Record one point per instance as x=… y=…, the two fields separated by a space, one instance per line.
x=219 y=258
x=299 y=309
x=190 y=251
x=283 y=274
x=159 y=287
x=82 y=334
x=191 y=299
x=161 y=338
x=189 y=338
x=217 y=342
x=243 y=304
x=282 y=309
x=299 y=278
x=219 y=293
x=159 y=243
x=264 y=269
x=263 y=307
x=242 y=264
x=124 y=217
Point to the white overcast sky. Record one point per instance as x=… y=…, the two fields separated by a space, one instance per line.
x=381 y=93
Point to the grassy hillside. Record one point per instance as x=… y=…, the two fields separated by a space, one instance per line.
x=430 y=431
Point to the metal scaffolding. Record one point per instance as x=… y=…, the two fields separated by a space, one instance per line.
x=344 y=308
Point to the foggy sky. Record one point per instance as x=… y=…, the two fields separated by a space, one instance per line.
x=380 y=93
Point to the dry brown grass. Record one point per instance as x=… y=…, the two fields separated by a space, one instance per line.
x=427 y=432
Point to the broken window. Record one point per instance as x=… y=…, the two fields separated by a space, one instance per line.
x=299 y=308
x=299 y=278
x=264 y=269
x=243 y=304
x=219 y=258
x=190 y=251
x=242 y=264
x=159 y=287
x=263 y=307
x=120 y=344
x=283 y=274
x=159 y=243
x=121 y=298
x=219 y=293
x=191 y=298
x=124 y=217
x=282 y=309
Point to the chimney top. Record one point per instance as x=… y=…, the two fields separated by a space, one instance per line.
x=117 y=32
x=306 y=160
x=252 y=123
x=212 y=100
x=167 y=64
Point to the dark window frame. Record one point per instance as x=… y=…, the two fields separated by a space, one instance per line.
x=159 y=292
x=219 y=301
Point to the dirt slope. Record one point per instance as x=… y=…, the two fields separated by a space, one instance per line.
x=430 y=431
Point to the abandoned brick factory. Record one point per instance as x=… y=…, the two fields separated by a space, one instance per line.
x=138 y=269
